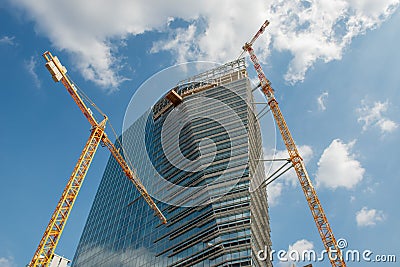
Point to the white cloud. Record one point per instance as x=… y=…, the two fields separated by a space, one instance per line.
x=321 y=30
x=183 y=43
x=289 y=179
x=91 y=31
x=321 y=101
x=297 y=252
x=301 y=245
x=338 y=167
x=7 y=262
x=30 y=66
x=7 y=40
x=373 y=116
x=274 y=191
x=369 y=217
x=387 y=125
x=309 y=30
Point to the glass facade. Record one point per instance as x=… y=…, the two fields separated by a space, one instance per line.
x=198 y=157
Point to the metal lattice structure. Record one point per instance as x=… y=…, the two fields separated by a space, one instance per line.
x=49 y=241
x=314 y=204
x=45 y=251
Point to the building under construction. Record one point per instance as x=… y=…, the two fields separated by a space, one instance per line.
x=198 y=152
x=217 y=214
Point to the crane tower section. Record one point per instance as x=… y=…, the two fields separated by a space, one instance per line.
x=48 y=243
x=314 y=204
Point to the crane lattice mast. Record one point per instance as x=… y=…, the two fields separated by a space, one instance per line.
x=45 y=251
x=314 y=204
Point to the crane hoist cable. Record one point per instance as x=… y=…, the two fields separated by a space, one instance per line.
x=91 y=102
x=86 y=97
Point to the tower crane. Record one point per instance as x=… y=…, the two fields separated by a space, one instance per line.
x=324 y=229
x=52 y=234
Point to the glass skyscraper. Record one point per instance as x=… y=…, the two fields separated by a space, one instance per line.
x=197 y=152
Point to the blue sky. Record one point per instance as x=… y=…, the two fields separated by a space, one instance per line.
x=334 y=66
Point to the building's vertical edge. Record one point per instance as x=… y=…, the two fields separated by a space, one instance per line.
x=260 y=229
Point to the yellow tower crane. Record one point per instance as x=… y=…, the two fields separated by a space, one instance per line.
x=314 y=204
x=52 y=234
